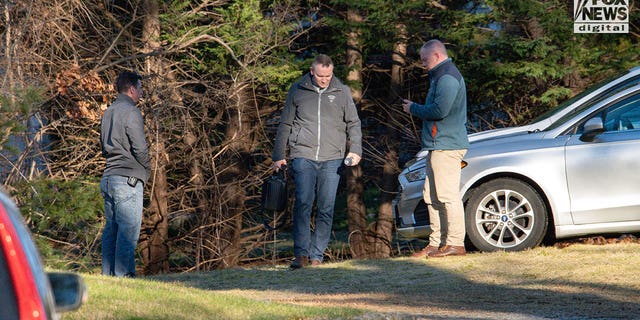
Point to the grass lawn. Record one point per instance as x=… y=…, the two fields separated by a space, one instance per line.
x=577 y=282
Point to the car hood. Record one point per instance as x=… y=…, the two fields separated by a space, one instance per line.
x=480 y=140
x=502 y=132
x=506 y=140
x=492 y=141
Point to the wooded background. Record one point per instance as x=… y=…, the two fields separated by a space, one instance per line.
x=216 y=73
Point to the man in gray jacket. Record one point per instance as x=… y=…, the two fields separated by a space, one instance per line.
x=444 y=134
x=125 y=148
x=319 y=124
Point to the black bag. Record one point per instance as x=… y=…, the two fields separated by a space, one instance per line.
x=275 y=196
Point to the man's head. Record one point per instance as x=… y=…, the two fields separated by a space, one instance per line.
x=432 y=53
x=322 y=70
x=129 y=83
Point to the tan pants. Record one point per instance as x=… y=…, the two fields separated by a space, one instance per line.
x=441 y=193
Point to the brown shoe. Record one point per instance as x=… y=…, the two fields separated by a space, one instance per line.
x=448 y=250
x=424 y=252
x=315 y=262
x=299 y=262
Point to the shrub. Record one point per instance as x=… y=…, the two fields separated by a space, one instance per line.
x=65 y=217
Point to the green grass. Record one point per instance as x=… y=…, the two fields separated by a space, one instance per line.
x=119 y=298
x=577 y=282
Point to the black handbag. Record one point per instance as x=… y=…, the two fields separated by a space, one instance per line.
x=275 y=197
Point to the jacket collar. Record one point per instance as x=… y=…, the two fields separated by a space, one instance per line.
x=439 y=66
x=307 y=83
x=124 y=97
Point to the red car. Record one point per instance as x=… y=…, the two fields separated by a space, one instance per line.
x=26 y=291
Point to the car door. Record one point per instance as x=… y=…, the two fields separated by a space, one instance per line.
x=603 y=176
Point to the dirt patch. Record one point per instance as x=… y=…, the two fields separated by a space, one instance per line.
x=599 y=240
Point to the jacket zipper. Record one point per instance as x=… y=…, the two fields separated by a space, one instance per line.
x=319 y=91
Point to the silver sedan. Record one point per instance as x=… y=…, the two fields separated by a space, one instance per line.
x=575 y=171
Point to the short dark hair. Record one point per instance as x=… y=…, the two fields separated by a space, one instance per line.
x=323 y=60
x=126 y=80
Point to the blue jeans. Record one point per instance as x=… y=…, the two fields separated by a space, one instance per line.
x=123 y=214
x=313 y=178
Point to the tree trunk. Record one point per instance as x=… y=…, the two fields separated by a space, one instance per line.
x=197 y=182
x=8 y=52
x=398 y=62
x=354 y=53
x=390 y=169
x=239 y=133
x=355 y=186
x=154 y=247
x=357 y=212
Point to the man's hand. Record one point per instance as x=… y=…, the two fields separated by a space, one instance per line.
x=277 y=165
x=355 y=159
x=406 y=105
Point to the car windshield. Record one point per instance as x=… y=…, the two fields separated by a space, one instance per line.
x=568 y=102
x=597 y=98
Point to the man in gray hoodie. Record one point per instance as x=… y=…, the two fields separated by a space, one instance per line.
x=125 y=148
x=319 y=124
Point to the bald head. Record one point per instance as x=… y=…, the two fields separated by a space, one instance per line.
x=432 y=53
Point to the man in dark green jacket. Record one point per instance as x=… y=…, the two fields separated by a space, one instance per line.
x=319 y=125
x=444 y=135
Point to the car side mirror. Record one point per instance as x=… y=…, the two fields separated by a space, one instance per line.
x=69 y=290
x=592 y=128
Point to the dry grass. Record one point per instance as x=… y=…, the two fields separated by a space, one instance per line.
x=576 y=282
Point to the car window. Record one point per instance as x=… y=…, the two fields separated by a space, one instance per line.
x=623 y=116
x=601 y=96
x=8 y=305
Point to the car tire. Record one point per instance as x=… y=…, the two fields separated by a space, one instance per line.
x=492 y=226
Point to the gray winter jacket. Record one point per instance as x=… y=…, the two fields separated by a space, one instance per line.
x=123 y=140
x=316 y=124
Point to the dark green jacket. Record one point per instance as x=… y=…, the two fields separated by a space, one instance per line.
x=444 y=114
